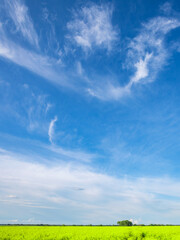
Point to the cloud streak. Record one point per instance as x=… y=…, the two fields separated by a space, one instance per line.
x=51 y=129
x=92 y=27
x=39 y=64
x=19 y=14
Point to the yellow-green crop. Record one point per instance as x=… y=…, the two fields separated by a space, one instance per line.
x=89 y=233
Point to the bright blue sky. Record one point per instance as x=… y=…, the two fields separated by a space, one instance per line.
x=89 y=103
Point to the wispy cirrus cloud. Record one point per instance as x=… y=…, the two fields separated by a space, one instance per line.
x=52 y=46
x=73 y=154
x=147 y=54
x=41 y=150
x=20 y=16
x=92 y=27
x=39 y=64
x=36 y=107
x=166 y=8
x=51 y=129
x=27 y=106
x=44 y=65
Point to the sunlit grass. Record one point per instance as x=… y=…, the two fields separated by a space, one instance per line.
x=89 y=233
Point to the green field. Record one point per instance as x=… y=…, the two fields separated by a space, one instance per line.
x=89 y=233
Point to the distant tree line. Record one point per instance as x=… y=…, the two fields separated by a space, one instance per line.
x=119 y=223
x=129 y=223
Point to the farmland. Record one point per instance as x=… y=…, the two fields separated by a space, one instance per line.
x=89 y=233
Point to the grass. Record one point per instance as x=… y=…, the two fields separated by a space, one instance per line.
x=89 y=233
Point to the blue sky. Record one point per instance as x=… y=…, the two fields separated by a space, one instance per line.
x=89 y=103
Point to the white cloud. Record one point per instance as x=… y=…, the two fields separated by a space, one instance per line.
x=48 y=107
x=56 y=152
x=13 y=221
x=97 y=197
x=92 y=26
x=166 y=8
x=36 y=63
x=150 y=45
x=35 y=107
x=11 y=196
x=79 y=68
x=75 y=155
x=52 y=44
x=51 y=129
x=20 y=15
x=147 y=54
x=142 y=69
x=134 y=221
x=29 y=111
x=108 y=91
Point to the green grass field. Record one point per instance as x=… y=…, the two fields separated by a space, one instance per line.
x=89 y=233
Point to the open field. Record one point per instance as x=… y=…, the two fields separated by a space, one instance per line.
x=89 y=233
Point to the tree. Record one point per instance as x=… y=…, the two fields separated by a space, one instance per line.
x=124 y=223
